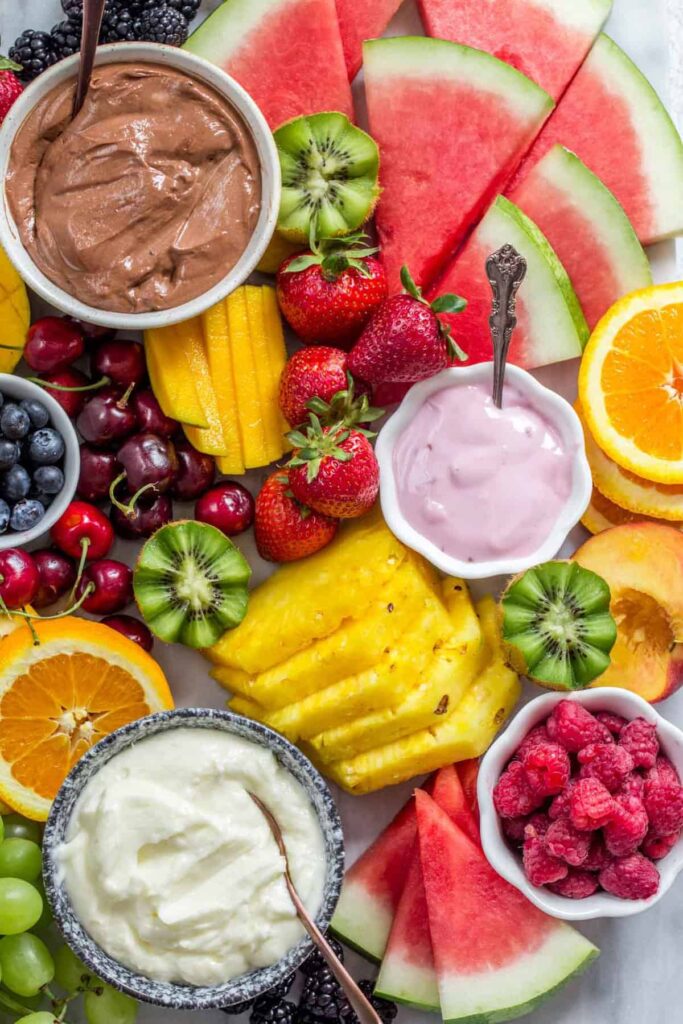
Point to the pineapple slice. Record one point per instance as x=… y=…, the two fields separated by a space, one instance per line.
x=357 y=645
x=217 y=340
x=448 y=674
x=233 y=679
x=248 y=708
x=307 y=600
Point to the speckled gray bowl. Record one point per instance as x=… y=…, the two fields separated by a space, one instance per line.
x=175 y=996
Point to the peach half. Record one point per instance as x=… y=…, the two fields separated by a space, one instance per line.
x=643 y=565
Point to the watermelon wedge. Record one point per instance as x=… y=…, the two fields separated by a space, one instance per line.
x=543 y=39
x=451 y=124
x=407 y=974
x=286 y=53
x=360 y=20
x=612 y=118
x=468 y=772
x=550 y=324
x=587 y=228
x=497 y=956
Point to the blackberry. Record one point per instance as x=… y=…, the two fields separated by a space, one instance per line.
x=119 y=25
x=188 y=8
x=386 y=1010
x=273 y=1011
x=323 y=1000
x=315 y=962
x=74 y=8
x=66 y=38
x=237 y=1008
x=162 y=25
x=34 y=51
x=281 y=990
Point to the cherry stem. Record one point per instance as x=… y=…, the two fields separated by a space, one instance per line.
x=123 y=400
x=47 y=618
x=128 y=509
x=12 y=348
x=85 y=544
x=102 y=382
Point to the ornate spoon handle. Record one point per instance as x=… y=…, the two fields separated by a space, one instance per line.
x=505 y=270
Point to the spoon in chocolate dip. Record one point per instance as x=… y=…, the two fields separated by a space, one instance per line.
x=93 y=11
x=364 y=1011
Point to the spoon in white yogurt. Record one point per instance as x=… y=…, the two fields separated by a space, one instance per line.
x=364 y=1011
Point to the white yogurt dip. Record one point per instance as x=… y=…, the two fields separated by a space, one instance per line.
x=173 y=870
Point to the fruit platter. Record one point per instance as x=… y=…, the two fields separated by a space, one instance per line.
x=341 y=512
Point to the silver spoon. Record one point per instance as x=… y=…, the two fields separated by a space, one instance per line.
x=505 y=270
x=92 y=21
x=362 y=1007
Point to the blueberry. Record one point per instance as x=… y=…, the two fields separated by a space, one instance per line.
x=25 y=514
x=14 y=422
x=15 y=483
x=9 y=453
x=46 y=447
x=4 y=516
x=44 y=499
x=48 y=479
x=37 y=413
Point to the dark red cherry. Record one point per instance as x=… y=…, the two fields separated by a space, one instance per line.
x=122 y=361
x=148 y=461
x=19 y=578
x=196 y=472
x=92 y=332
x=131 y=628
x=99 y=468
x=149 y=415
x=150 y=512
x=57 y=575
x=71 y=402
x=228 y=506
x=53 y=343
x=106 y=417
x=113 y=586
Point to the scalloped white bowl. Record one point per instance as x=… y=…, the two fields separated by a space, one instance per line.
x=508 y=863
x=550 y=404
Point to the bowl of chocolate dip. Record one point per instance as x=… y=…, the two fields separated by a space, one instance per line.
x=150 y=206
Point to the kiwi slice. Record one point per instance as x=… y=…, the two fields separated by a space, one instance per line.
x=190 y=583
x=329 y=176
x=557 y=625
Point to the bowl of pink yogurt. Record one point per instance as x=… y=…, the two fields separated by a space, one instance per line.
x=481 y=491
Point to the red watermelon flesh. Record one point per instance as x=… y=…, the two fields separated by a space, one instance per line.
x=451 y=124
x=497 y=956
x=286 y=53
x=543 y=39
x=360 y=20
x=468 y=773
x=613 y=120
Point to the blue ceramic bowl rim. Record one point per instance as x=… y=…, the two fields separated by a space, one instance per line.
x=170 y=994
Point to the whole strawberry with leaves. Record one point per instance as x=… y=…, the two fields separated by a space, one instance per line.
x=10 y=86
x=334 y=469
x=328 y=294
x=284 y=529
x=316 y=380
x=405 y=340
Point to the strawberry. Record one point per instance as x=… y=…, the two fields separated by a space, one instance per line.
x=284 y=529
x=334 y=469
x=316 y=380
x=10 y=86
x=404 y=340
x=328 y=294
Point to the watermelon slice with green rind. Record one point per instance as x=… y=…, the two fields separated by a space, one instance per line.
x=612 y=118
x=287 y=54
x=360 y=20
x=550 y=324
x=451 y=123
x=544 y=39
x=587 y=228
x=497 y=955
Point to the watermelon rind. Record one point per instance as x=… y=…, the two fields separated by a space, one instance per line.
x=360 y=20
x=360 y=923
x=212 y=40
x=409 y=985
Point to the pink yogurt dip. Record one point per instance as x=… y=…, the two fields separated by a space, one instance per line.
x=482 y=483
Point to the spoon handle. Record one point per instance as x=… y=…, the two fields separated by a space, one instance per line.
x=505 y=270
x=92 y=21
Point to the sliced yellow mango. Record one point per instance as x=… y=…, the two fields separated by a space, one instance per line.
x=219 y=357
x=279 y=248
x=252 y=431
x=277 y=352
x=172 y=381
x=267 y=385
x=15 y=314
x=211 y=440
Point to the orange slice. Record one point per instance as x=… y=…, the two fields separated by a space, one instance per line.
x=603 y=514
x=627 y=490
x=8 y=623
x=631 y=383
x=59 y=697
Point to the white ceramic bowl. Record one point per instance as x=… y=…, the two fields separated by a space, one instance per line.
x=552 y=405
x=508 y=863
x=17 y=388
x=270 y=184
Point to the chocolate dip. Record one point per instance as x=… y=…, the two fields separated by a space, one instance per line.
x=146 y=199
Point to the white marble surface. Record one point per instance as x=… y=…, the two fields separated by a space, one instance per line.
x=638 y=979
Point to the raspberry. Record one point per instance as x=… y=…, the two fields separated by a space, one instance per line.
x=539 y=734
x=590 y=805
x=656 y=847
x=547 y=768
x=615 y=723
x=567 y=843
x=628 y=826
x=576 y=886
x=663 y=770
x=512 y=796
x=630 y=878
x=633 y=785
x=664 y=805
x=537 y=825
x=559 y=808
x=513 y=830
x=640 y=739
x=598 y=855
x=607 y=762
x=540 y=866
x=574 y=727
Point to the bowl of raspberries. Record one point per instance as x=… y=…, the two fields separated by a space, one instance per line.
x=582 y=804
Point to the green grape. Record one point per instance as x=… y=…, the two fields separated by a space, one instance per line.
x=70 y=973
x=27 y=964
x=33 y=1003
x=20 y=858
x=43 y=1017
x=107 y=1006
x=20 y=906
x=45 y=918
x=2 y=828
x=17 y=827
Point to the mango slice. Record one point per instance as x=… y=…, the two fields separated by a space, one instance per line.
x=211 y=440
x=219 y=357
x=172 y=382
x=252 y=430
x=15 y=314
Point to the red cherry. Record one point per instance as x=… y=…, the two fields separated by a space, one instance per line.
x=71 y=401
x=98 y=469
x=106 y=417
x=196 y=472
x=92 y=332
x=53 y=343
x=229 y=507
x=113 y=583
x=149 y=415
x=122 y=361
x=19 y=579
x=148 y=461
x=83 y=524
x=57 y=576
x=149 y=514
x=131 y=628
